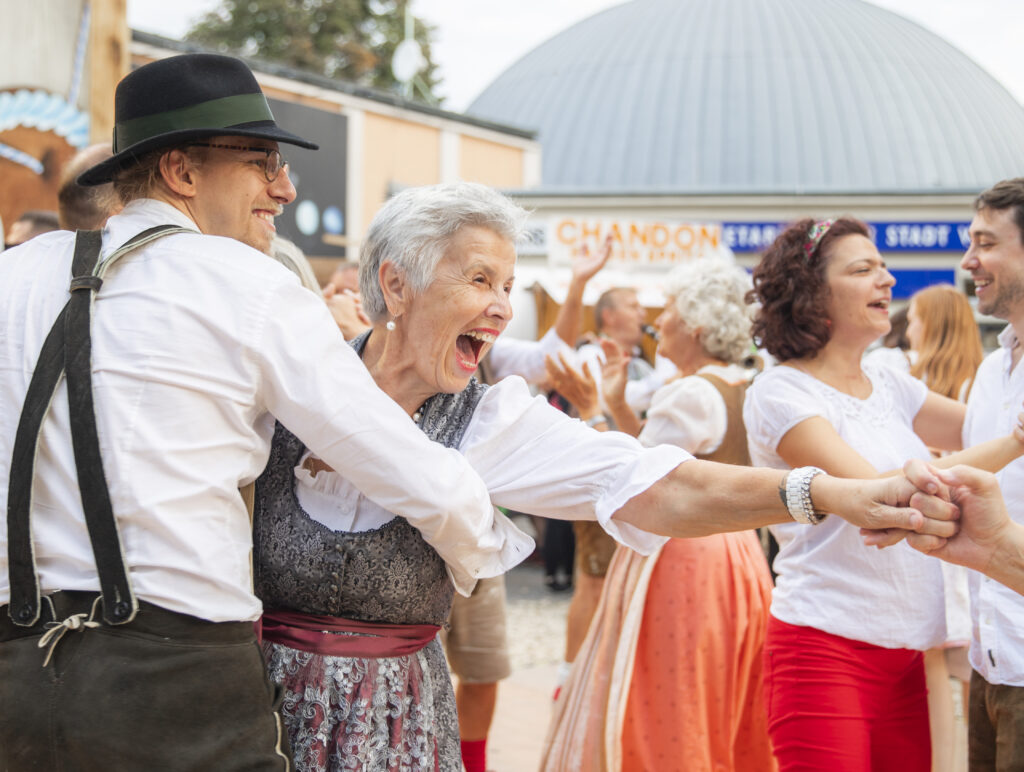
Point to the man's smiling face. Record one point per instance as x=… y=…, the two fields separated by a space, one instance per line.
x=233 y=197
x=995 y=261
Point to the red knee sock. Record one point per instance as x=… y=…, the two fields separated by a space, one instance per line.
x=474 y=755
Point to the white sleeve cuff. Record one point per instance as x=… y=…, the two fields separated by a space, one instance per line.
x=633 y=479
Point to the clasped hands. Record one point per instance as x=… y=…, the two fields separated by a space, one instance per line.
x=964 y=519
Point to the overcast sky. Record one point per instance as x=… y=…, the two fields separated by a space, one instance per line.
x=478 y=39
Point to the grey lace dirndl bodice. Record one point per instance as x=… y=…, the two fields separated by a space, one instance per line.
x=350 y=713
x=389 y=574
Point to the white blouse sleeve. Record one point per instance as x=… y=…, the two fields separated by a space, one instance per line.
x=776 y=402
x=689 y=413
x=535 y=459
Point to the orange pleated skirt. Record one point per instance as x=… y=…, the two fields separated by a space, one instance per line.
x=670 y=675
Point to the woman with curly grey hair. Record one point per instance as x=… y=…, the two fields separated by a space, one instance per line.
x=680 y=631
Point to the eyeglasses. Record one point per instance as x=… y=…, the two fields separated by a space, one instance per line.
x=271 y=165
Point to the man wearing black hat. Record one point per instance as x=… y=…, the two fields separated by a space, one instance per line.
x=130 y=415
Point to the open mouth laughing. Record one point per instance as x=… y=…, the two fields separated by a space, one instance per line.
x=470 y=347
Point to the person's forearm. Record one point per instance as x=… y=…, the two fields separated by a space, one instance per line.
x=699 y=498
x=568 y=322
x=625 y=419
x=593 y=417
x=991 y=456
x=1007 y=564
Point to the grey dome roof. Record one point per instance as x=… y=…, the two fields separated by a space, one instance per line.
x=758 y=96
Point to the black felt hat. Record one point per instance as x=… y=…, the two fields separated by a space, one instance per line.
x=170 y=101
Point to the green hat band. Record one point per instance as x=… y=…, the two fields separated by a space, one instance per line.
x=214 y=114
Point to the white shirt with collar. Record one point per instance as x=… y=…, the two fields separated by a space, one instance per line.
x=198 y=342
x=997 y=613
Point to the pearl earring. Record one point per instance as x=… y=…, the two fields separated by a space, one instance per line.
x=390 y=325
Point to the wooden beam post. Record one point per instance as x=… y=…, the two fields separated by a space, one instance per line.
x=109 y=61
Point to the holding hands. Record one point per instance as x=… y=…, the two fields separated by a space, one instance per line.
x=987 y=540
x=888 y=508
x=983 y=537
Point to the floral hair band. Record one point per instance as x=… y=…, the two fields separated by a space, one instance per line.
x=815 y=234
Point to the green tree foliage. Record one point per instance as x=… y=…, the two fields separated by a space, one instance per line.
x=349 y=39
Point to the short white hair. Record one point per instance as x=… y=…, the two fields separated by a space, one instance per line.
x=414 y=229
x=710 y=294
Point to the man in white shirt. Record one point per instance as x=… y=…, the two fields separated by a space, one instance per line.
x=619 y=316
x=128 y=643
x=995 y=260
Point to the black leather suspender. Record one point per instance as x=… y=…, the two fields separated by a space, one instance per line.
x=67 y=349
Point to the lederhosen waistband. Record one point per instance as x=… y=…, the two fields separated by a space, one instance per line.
x=150 y=620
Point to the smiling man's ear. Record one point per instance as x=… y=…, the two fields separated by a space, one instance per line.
x=178 y=172
x=394 y=287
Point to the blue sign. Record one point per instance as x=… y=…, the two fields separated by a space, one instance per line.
x=910 y=280
x=888 y=236
x=921 y=236
x=750 y=236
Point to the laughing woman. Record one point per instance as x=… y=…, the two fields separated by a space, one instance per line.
x=844 y=672
x=354 y=594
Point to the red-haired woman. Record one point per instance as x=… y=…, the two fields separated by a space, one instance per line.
x=844 y=676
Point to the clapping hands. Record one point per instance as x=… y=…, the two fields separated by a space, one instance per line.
x=347 y=309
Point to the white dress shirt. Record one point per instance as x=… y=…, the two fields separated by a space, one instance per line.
x=525 y=358
x=997 y=612
x=534 y=459
x=827 y=578
x=198 y=342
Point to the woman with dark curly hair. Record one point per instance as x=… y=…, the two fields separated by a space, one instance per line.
x=844 y=676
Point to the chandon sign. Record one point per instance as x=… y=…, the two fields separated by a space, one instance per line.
x=634 y=242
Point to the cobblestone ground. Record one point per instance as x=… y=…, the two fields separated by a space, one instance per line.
x=536 y=618
x=536 y=630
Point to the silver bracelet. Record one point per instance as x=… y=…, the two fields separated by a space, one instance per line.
x=798 y=495
x=594 y=420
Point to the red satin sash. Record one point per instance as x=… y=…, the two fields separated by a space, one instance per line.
x=318 y=635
